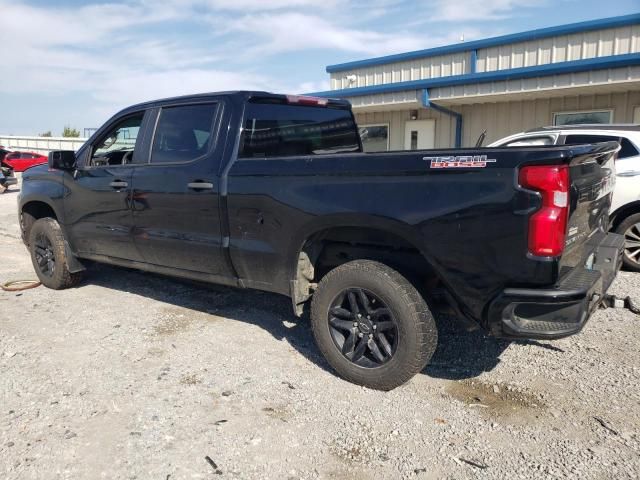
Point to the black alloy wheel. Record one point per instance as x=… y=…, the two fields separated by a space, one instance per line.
x=48 y=252
x=371 y=324
x=363 y=328
x=45 y=256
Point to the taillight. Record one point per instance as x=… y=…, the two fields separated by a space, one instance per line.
x=548 y=226
x=304 y=100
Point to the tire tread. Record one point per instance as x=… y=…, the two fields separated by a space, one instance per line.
x=62 y=280
x=420 y=317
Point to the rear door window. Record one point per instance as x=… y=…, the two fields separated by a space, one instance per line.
x=282 y=130
x=184 y=133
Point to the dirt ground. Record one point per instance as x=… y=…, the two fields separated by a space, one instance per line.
x=135 y=376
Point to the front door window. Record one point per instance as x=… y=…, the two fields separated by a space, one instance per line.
x=117 y=147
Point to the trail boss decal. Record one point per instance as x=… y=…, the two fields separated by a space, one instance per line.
x=463 y=161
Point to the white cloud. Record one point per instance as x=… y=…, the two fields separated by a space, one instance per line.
x=116 y=54
x=477 y=10
x=297 y=31
x=258 y=5
x=141 y=86
x=307 y=87
x=101 y=49
x=55 y=26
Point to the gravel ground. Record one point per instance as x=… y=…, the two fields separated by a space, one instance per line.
x=135 y=376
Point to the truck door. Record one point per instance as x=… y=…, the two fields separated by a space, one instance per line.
x=97 y=206
x=175 y=198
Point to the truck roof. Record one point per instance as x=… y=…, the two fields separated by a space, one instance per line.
x=240 y=93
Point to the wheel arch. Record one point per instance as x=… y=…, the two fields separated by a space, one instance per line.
x=617 y=217
x=39 y=209
x=36 y=208
x=365 y=236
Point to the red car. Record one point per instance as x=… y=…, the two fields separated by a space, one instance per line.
x=20 y=161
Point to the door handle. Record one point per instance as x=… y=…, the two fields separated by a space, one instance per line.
x=118 y=184
x=200 y=185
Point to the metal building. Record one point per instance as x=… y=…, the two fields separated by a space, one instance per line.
x=586 y=72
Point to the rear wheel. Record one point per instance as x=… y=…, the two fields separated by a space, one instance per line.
x=630 y=228
x=371 y=325
x=48 y=255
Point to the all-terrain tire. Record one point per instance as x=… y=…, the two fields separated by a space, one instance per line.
x=417 y=333
x=26 y=222
x=623 y=229
x=48 y=229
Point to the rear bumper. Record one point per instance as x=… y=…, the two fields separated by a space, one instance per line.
x=564 y=309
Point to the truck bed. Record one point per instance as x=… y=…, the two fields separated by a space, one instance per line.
x=470 y=224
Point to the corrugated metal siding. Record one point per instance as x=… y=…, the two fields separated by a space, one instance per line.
x=432 y=67
x=504 y=118
x=399 y=99
x=580 y=79
x=41 y=144
x=578 y=46
x=598 y=43
x=445 y=128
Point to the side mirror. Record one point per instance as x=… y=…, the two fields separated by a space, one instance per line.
x=62 y=159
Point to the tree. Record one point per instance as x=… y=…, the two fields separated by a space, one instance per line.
x=46 y=134
x=70 y=132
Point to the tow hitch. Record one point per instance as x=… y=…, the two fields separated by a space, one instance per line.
x=611 y=301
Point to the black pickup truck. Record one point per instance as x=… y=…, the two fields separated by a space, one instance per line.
x=273 y=192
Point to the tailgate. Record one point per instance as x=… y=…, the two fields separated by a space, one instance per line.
x=592 y=179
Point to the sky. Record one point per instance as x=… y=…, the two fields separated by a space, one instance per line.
x=76 y=63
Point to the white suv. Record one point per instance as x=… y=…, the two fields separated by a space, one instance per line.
x=625 y=208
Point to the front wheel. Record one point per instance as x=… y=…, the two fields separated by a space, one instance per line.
x=48 y=255
x=372 y=325
x=630 y=228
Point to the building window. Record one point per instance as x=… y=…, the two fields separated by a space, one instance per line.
x=586 y=116
x=375 y=138
x=636 y=115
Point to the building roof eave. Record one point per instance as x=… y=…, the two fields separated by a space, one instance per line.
x=590 y=25
x=549 y=69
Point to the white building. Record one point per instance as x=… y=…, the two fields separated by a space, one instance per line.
x=586 y=72
x=42 y=145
